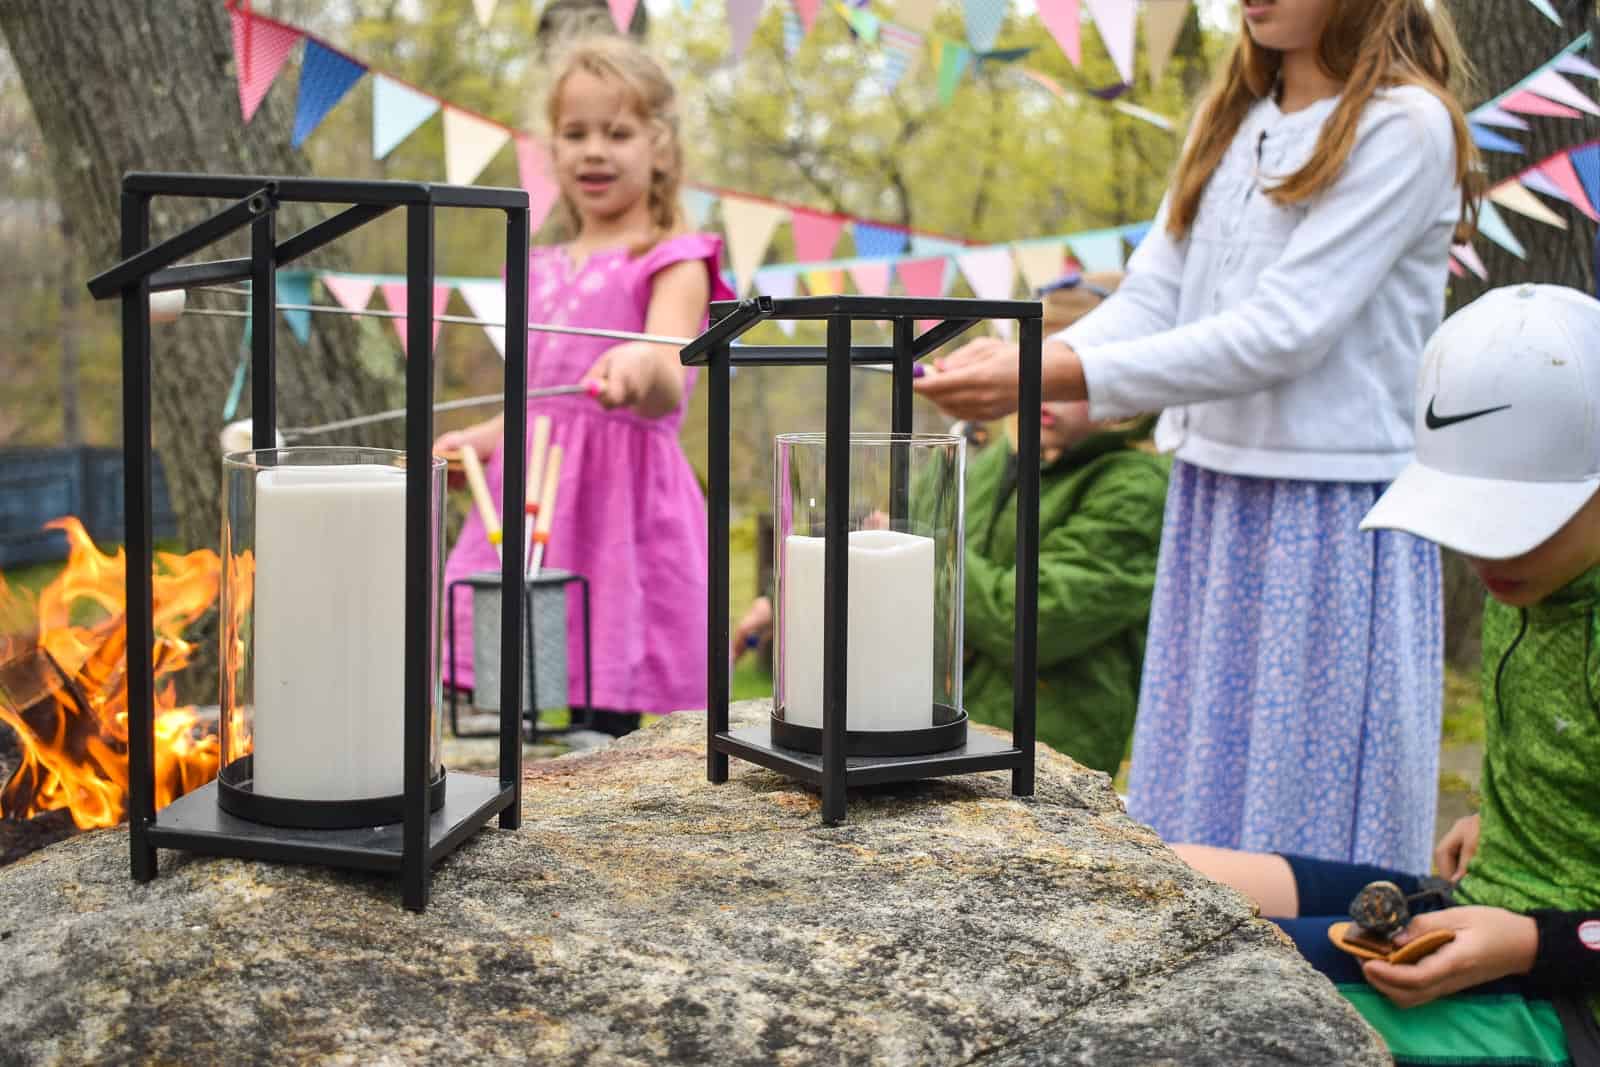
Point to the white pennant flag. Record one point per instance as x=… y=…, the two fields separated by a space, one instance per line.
x=469 y=144
x=488 y=302
x=1114 y=19
x=1513 y=196
x=780 y=285
x=1041 y=262
x=749 y=225
x=485 y=10
x=1163 y=23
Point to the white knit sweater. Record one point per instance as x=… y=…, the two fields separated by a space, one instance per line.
x=1283 y=342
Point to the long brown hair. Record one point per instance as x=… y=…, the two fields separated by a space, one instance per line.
x=1367 y=45
x=652 y=96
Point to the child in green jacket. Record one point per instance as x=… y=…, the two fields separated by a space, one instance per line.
x=1507 y=473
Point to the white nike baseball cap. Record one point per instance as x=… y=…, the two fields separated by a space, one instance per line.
x=1507 y=425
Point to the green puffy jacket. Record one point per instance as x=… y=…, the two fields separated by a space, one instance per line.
x=1100 y=506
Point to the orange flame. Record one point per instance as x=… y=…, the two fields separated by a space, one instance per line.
x=65 y=690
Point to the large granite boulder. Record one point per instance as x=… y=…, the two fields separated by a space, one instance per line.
x=643 y=915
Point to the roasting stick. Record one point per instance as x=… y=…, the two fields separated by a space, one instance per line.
x=293 y=433
x=547 y=509
x=480 y=496
x=530 y=499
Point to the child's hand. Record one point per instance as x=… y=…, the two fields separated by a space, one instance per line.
x=624 y=375
x=483 y=439
x=1457 y=848
x=1490 y=943
x=757 y=624
x=978 y=381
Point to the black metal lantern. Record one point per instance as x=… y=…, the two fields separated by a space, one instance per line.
x=836 y=754
x=420 y=813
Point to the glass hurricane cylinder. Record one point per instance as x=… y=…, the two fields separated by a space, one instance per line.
x=313 y=636
x=904 y=581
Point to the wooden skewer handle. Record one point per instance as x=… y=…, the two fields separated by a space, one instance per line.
x=480 y=493
x=547 y=501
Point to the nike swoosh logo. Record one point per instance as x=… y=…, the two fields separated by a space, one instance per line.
x=1439 y=422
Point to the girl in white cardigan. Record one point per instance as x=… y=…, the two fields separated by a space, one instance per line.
x=1275 y=314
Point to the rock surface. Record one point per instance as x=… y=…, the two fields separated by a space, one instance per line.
x=643 y=915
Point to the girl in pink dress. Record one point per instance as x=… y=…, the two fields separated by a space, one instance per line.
x=630 y=515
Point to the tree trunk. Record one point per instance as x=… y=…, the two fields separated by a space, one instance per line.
x=71 y=297
x=149 y=85
x=1506 y=43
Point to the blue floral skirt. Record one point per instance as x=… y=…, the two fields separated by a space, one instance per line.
x=1293 y=681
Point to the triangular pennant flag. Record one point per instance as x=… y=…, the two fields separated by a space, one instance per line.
x=923 y=277
x=397 y=110
x=1098 y=251
x=864 y=24
x=1041 y=262
x=901 y=49
x=874 y=241
x=487 y=301
x=1469 y=258
x=697 y=205
x=1047 y=82
x=1526 y=103
x=923 y=245
x=1061 y=18
x=794 y=34
x=1559 y=170
x=1586 y=161
x=1553 y=86
x=780 y=285
x=1163 y=23
x=1136 y=233
x=871 y=279
x=1546 y=10
x=1492 y=226
x=825 y=282
x=743 y=16
x=983 y=18
x=953 y=60
x=485 y=10
x=394 y=295
x=749 y=225
x=294 y=287
x=1455 y=269
x=622 y=13
x=990 y=272
x=469 y=144
x=815 y=235
x=351 y=293
x=325 y=76
x=1493 y=116
x=260 y=49
x=1571 y=64
x=1539 y=183
x=918 y=14
x=807 y=10
x=1512 y=196
x=1490 y=141
x=533 y=172
x=1004 y=55
x=1114 y=20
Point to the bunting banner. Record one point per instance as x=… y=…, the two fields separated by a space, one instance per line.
x=953 y=59
x=807 y=10
x=749 y=226
x=1525 y=102
x=825 y=282
x=1494 y=227
x=815 y=234
x=1114 y=20
x=294 y=287
x=871 y=279
x=485 y=10
x=923 y=277
x=260 y=50
x=487 y=301
x=901 y=49
x=983 y=21
x=470 y=143
x=1560 y=171
x=325 y=77
x=350 y=293
x=780 y=285
x=917 y=14
x=622 y=13
x=1041 y=262
x=1544 y=8
x=874 y=241
x=533 y=173
x=1098 y=251
x=697 y=205
x=1469 y=259
x=1552 y=86
x=1163 y=25
x=397 y=111
x=743 y=17
x=1544 y=92
x=1515 y=197
x=1576 y=64
x=1062 y=19
x=1571 y=176
x=394 y=297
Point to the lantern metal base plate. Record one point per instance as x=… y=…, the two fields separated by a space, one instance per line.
x=980 y=752
x=195 y=823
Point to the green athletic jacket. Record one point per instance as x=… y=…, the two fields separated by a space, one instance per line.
x=1100 y=508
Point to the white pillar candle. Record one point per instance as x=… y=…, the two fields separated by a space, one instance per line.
x=890 y=676
x=330 y=632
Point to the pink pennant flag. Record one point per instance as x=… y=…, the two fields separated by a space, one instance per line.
x=1553 y=86
x=872 y=279
x=622 y=13
x=1114 y=19
x=923 y=277
x=533 y=168
x=260 y=48
x=1526 y=103
x=815 y=235
x=1469 y=258
x=1455 y=269
x=807 y=10
x=1060 y=17
x=1559 y=170
x=394 y=295
x=351 y=293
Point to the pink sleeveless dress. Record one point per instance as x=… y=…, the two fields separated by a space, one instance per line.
x=630 y=516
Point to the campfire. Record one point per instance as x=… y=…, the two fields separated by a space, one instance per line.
x=64 y=686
